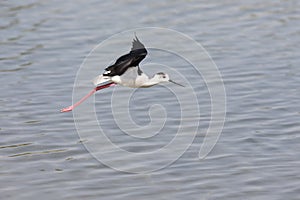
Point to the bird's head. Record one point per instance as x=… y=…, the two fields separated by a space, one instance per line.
x=163 y=77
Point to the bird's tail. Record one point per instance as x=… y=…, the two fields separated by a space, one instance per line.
x=100 y=80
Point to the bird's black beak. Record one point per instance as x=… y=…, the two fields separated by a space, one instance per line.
x=176 y=83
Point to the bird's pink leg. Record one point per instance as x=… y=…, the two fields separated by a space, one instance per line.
x=70 y=108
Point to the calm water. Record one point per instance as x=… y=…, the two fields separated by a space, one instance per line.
x=255 y=45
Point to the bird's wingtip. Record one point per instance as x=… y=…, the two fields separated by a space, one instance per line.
x=136 y=43
x=135 y=37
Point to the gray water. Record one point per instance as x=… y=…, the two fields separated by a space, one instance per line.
x=255 y=45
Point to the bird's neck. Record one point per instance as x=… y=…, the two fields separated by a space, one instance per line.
x=152 y=81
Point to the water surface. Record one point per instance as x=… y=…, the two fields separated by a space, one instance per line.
x=255 y=46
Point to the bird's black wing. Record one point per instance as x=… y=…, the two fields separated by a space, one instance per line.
x=132 y=59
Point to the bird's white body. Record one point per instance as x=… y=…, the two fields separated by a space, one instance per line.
x=131 y=78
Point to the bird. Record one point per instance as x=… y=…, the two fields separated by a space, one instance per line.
x=126 y=72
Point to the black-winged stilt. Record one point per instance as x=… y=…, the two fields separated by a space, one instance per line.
x=126 y=71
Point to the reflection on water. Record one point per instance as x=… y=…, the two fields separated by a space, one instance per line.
x=15 y=145
x=254 y=44
x=38 y=153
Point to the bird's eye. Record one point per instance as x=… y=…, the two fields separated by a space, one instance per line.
x=164 y=76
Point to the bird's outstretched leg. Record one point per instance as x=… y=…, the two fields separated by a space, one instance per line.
x=70 y=108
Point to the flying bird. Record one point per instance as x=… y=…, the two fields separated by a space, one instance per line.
x=126 y=72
